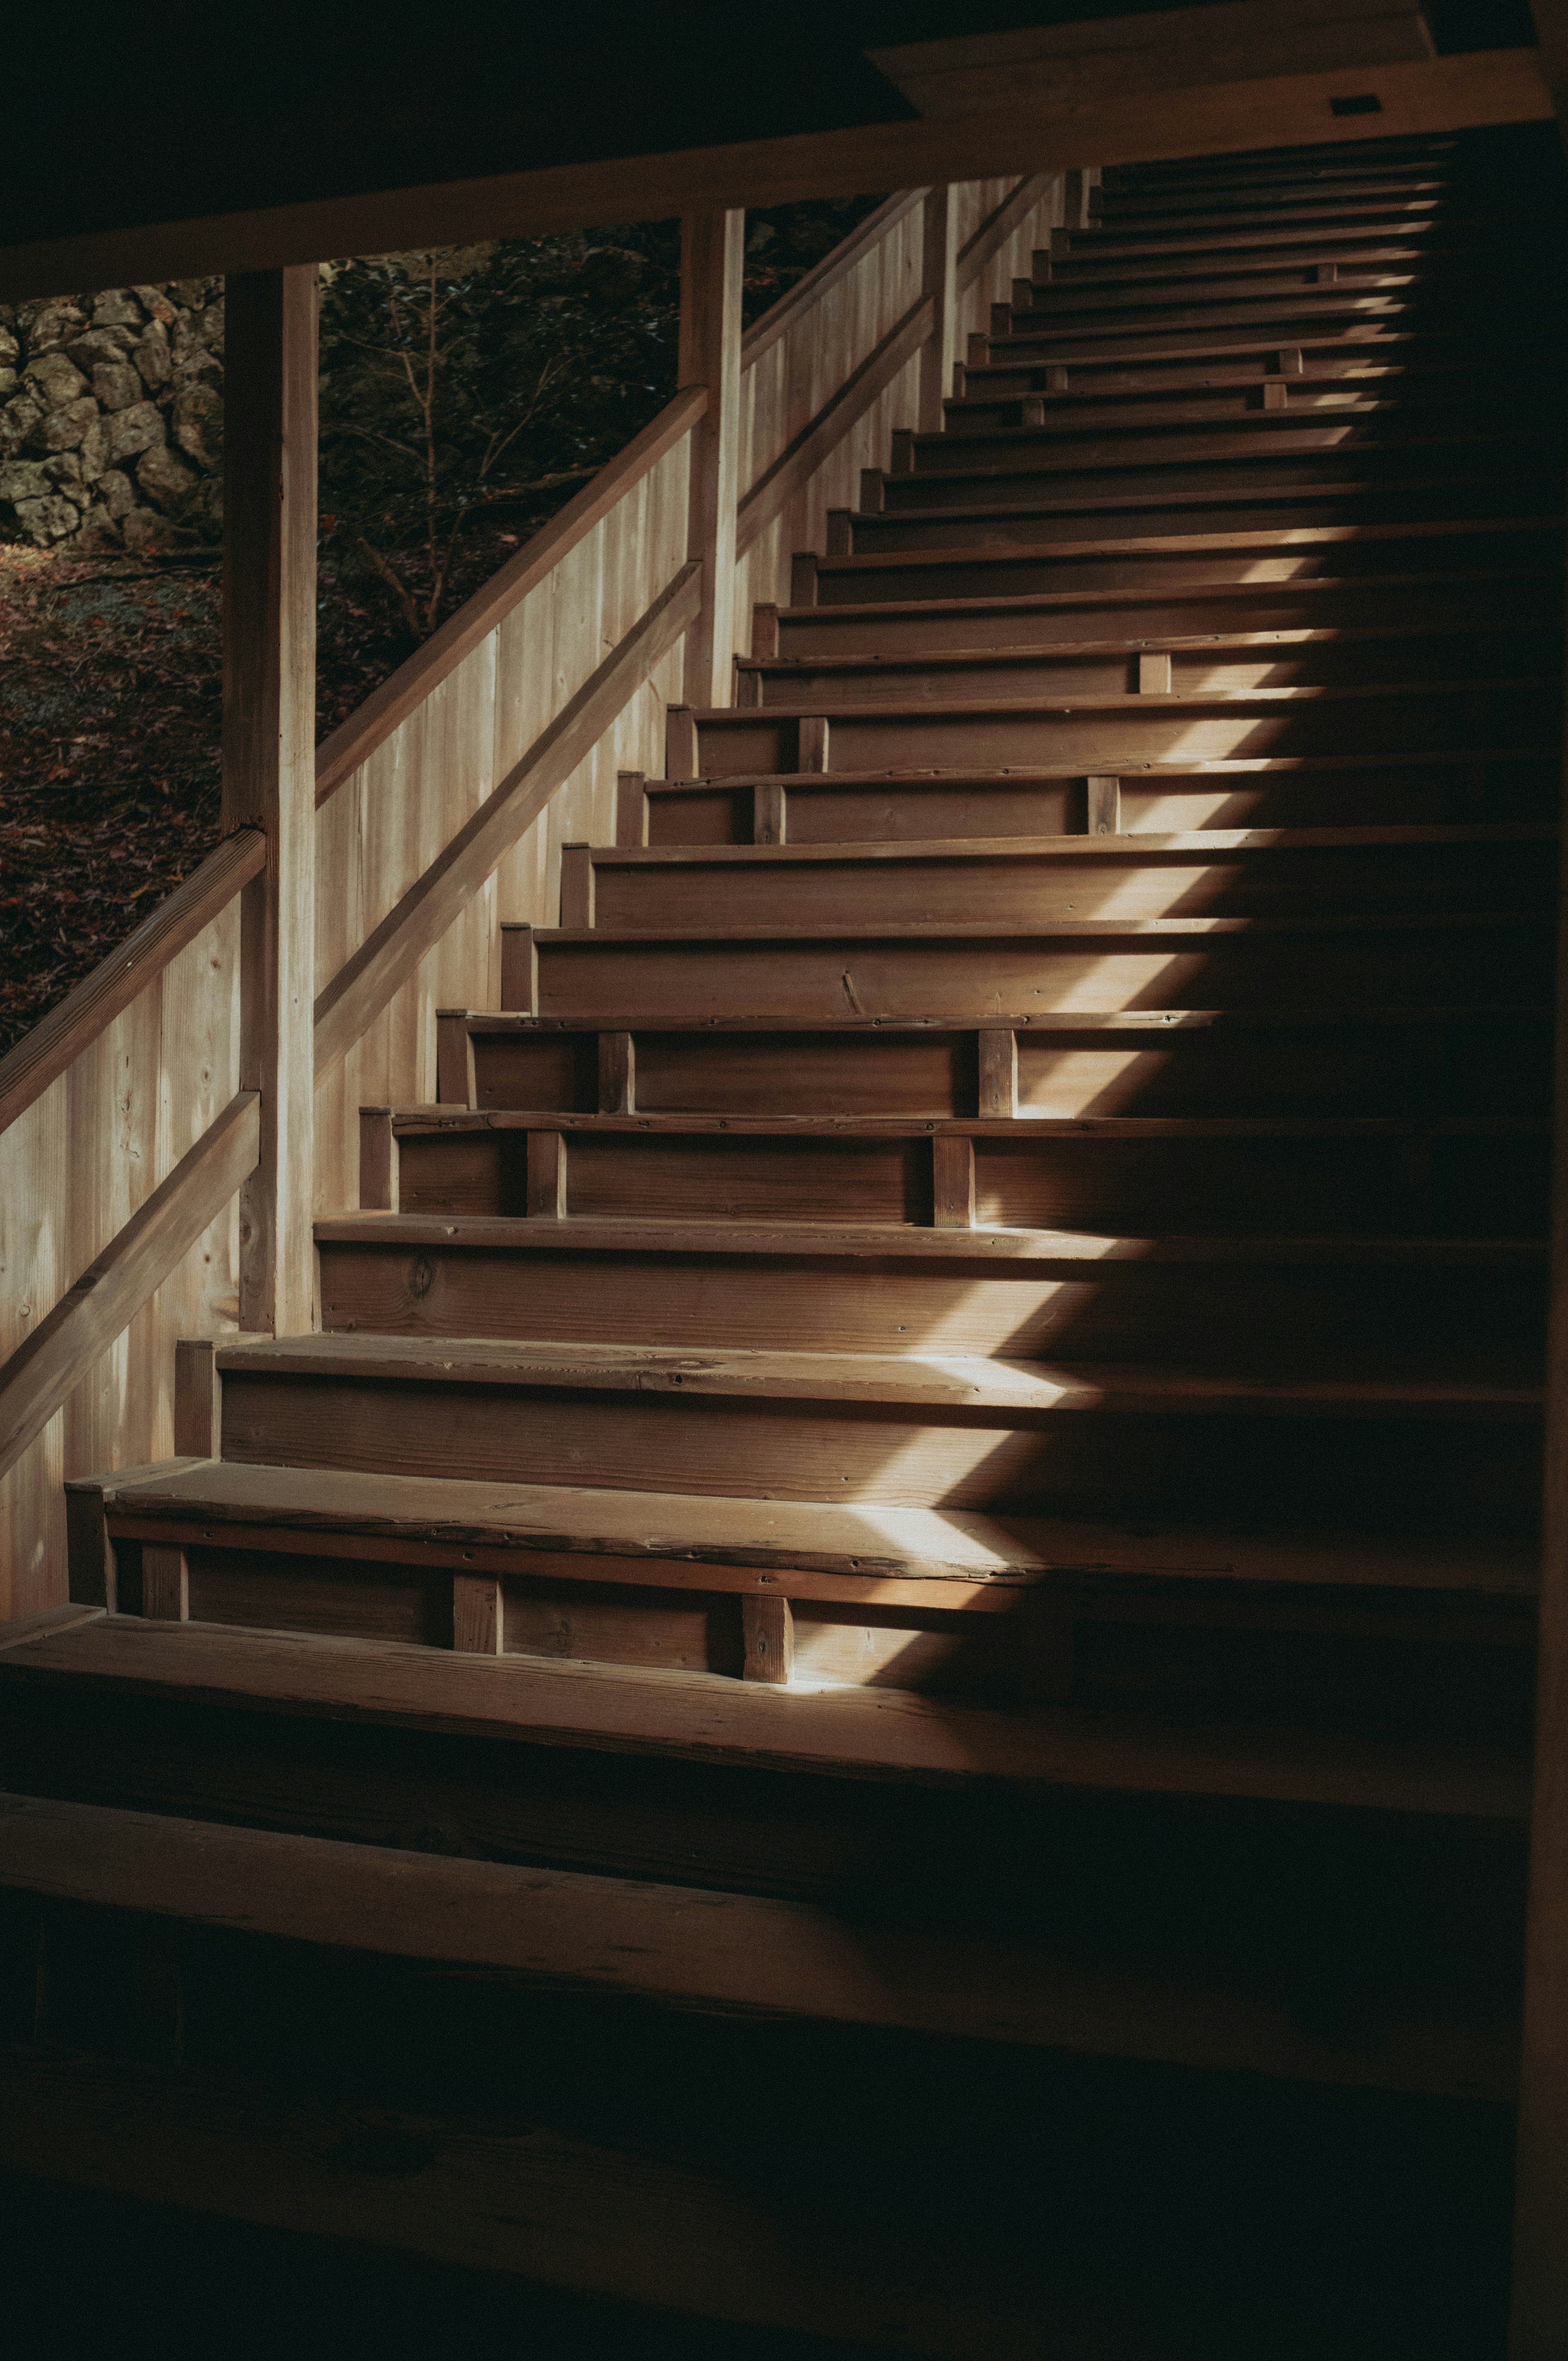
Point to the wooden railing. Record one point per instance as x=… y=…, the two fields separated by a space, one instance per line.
x=441 y=806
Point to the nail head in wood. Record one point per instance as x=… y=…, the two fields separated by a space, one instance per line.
x=1103 y=815
x=952 y=1176
x=768 y=1628
x=477 y=1615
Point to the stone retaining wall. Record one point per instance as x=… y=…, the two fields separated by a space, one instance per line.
x=112 y=419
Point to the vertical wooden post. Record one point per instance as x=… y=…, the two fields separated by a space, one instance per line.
x=939 y=280
x=1538 y=2328
x=268 y=775
x=712 y=254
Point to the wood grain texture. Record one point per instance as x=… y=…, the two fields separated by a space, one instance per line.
x=268 y=766
x=713 y=247
x=40 y=1375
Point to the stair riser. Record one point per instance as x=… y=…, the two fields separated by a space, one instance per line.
x=1061 y=566
x=1444 y=277
x=799 y=1303
x=1078 y=1459
x=828 y=811
x=1265 y=475
x=1190 y=370
x=1024 y=889
x=1335 y=320
x=1356 y=1068
x=1251 y=435
x=977 y=982
x=755 y=742
x=1501 y=493
x=1332 y=663
x=1472 y=1186
x=1527 y=603
x=1229 y=396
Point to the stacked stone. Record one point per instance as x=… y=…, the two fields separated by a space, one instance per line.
x=112 y=419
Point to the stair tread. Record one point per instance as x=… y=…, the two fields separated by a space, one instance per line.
x=866 y=1733
x=1155 y=846
x=1240 y=496
x=435 y=1117
x=1208 y=644
x=1267 y=542
x=1049 y=1026
x=1040 y=930
x=572 y=1234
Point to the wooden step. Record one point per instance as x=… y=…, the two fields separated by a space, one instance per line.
x=1062 y=441
x=1498 y=598
x=1071 y=264
x=1269 y=468
x=1228 y=871
x=1200 y=360
x=1207 y=1174
x=1442 y=283
x=860 y=1735
x=1367 y=379
x=1436 y=1063
x=1305 y=316
x=1174 y=513
x=1110 y=733
x=1075 y=561
x=1331 y=655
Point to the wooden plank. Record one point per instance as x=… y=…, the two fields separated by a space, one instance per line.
x=165 y=1583
x=1432 y=94
x=852 y=1733
x=952 y=1177
x=477 y=1615
x=712 y=246
x=767 y=1626
x=631 y=808
x=806 y=451
x=617 y=1073
x=372 y=724
x=198 y=1399
x=984 y=244
x=997 y=1065
x=940 y=288
x=60 y=1038
x=546 y=1176
x=269 y=763
x=1103 y=806
x=44 y=1370
x=415 y=925
x=808 y=290
x=46 y=1622
x=576 y=885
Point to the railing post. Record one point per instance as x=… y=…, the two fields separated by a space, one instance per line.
x=939 y=281
x=268 y=774
x=712 y=254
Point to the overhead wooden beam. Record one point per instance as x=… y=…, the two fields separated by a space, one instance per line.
x=713 y=247
x=42 y=1373
x=269 y=765
x=1552 y=31
x=1429 y=94
x=363 y=986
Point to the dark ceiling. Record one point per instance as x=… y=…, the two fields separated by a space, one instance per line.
x=177 y=108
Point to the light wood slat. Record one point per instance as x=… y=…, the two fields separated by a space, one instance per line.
x=43 y=1372
x=1443 y=93
x=808 y=291
x=372 y=724
x=690 y=1947
x=55 y=1043
x=987 y=242
x=417 y=922
x=804 y=455
x=851 y=1733
x=712 y=266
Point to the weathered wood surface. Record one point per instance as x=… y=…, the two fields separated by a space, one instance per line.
x=851 y=1733
x=1432 y=94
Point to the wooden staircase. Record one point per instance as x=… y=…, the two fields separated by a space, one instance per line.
x=968 y=1340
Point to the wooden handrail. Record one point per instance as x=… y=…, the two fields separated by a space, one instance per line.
x=46 y=1368
x=53 y=1044
x=780 y=317
x=388 y=957
x=372 y=724
x=805 y=453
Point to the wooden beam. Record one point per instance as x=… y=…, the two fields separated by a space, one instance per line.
x=939 y=286
x=713 y=250
x=696 y=1948
x=372 y=724
x=363 y=986
x=804 y=454
x=43 y=1054
x=1552 y=31
x=1429 y=94
x=269 y=688
x=43 y=1372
